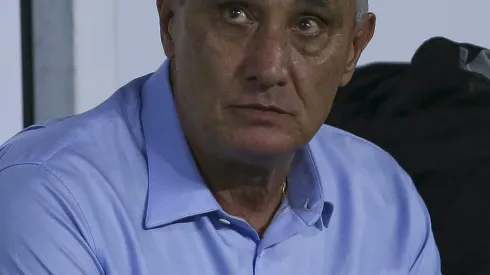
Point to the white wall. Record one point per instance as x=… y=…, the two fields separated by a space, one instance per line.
x=138 y=40
x=115 y=41
x=11 y=120
x=118 y=40
x=404 y=25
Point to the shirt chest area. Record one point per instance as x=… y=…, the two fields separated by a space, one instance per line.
x=213 y=245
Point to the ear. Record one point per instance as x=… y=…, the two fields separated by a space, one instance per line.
x=166 y=13
x=363 y=33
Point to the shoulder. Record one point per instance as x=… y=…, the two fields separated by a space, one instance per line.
x=76 y=156
x=360 y=165
x=358 y=174
x=353 y=155
x=87 y=134
x=59 y=175
x=367 y=184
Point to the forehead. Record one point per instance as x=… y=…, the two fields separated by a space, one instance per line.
x=337 y=5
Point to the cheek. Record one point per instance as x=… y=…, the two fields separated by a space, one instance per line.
x=318 y=84
x=213 y=58
x=209 y=69
x=317 y=87
x=215 y=49
x=319 y=76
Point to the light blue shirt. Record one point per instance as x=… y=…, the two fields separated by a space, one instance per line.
x=116 y=191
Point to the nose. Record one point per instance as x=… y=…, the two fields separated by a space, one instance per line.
x=266 y=65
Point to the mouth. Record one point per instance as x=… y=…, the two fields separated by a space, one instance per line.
x=261 y=108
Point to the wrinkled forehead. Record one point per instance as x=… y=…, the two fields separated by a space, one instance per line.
x=345 y=7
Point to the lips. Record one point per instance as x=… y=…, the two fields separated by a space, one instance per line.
x=261 y=107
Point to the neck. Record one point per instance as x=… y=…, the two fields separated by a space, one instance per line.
x=252 y=192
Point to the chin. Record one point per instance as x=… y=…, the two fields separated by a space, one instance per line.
x=262 y=143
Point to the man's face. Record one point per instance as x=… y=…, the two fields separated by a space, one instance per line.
x=258 y=77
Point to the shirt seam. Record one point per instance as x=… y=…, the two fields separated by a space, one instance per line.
x=52 y=172
x=427 y=228
x=57 y=176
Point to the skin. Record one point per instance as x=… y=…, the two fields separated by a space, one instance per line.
x=231 y=62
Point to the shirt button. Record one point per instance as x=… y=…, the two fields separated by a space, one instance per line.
x=224 y=221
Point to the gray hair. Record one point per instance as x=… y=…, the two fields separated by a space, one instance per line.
x=362 y=10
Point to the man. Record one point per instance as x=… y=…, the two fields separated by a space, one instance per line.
x=217 y=163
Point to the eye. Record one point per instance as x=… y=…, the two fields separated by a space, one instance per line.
x=235 y=14
x=309 y=26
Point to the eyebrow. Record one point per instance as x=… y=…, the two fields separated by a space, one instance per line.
x=330 y=8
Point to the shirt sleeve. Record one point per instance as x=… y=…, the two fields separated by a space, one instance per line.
x=428 y=261
x=42 y=229
x=425 y=259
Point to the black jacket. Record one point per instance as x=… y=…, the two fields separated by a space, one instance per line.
x=433 y=116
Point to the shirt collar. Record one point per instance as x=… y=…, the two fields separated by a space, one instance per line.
x=308 y=193
x=176 y=189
